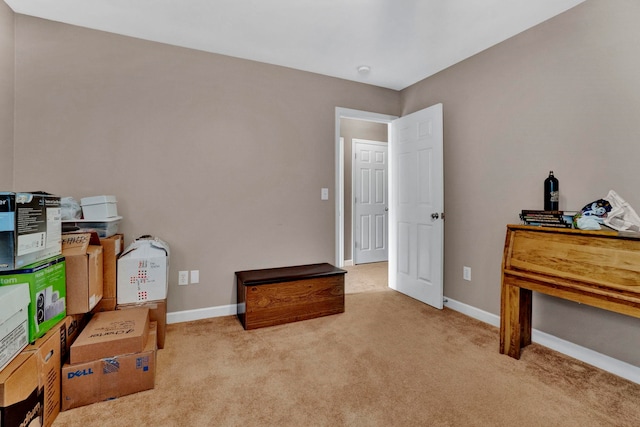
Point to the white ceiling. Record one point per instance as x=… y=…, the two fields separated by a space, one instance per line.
x=403 y=41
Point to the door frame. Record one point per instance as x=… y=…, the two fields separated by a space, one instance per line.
x=348 y=113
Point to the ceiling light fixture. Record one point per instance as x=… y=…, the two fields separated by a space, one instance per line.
x=364 y=69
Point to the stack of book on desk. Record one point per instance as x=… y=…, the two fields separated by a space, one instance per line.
x=545 y=218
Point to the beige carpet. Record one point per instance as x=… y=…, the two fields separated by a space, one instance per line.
x=367 y=278
x=387 y=361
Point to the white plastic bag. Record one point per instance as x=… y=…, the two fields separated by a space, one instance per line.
x=622 y=216
x=587 y=223
x=70 y=209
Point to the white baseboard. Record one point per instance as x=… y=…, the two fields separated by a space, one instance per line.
x=599 y=360
x=348 y=262
x=201 y=313
x=476 y=313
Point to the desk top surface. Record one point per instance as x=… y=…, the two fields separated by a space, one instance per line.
x=608 y=232
x=602 y=259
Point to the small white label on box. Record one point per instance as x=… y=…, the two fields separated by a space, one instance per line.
x=13 y=343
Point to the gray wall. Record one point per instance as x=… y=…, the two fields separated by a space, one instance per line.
x=351 y=129
x=222 y=158
x=563 y=96
x=7 y=65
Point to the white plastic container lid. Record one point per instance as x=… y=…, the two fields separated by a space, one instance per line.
x=96 y=200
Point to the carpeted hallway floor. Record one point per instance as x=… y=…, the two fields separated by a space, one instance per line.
x=372 y=277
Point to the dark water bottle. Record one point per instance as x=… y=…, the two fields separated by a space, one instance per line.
x=551 y=193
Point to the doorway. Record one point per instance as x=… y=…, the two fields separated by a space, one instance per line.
x=343 y=200
x=416 y=177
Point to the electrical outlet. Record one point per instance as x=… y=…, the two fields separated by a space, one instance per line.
x=195 y=276
x=183 y=277
x=466 y=273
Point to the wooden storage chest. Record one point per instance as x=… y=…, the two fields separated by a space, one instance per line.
x=275 y=296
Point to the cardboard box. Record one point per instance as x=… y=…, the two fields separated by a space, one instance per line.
x=30 y=228
x=47 y=292
x=111 y=248
x=143 y=271
x=14 y=321
x=105 y=304
x=110 y=333
x=83 y=253
x=74 y=324
x=48 y=353
x=110 y=378
x=157 y=313
x=20 y=394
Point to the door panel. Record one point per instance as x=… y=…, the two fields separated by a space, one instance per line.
x=416 y=196
x=365 y=227
x=381 y=232
x=424 y=253
x=424 y=177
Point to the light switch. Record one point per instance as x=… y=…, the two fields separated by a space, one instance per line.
x=195 y=276
x=324 y=194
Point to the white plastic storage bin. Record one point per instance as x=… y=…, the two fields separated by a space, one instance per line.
x=105 y=228
x=99 y=207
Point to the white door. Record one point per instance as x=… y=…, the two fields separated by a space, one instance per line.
x=416 y=226
x=370 y=204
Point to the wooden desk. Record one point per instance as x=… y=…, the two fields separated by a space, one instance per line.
x=597 y=268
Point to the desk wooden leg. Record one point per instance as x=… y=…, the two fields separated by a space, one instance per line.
x=525 y=317
x=515 y=320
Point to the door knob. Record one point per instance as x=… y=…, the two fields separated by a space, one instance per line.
x=435 y=215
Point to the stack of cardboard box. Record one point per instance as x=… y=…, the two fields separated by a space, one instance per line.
x=52 y=284
x=114 y=355
x=33 y=299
